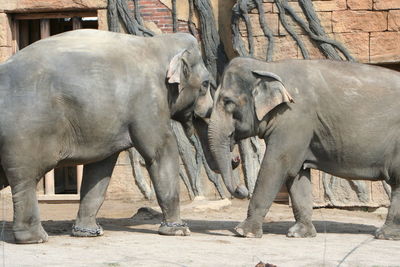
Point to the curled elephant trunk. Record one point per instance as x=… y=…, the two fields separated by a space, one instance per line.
x=201 y=127
x=220 y=144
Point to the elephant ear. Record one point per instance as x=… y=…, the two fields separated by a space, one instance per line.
x=176 y=67
x=268 y=93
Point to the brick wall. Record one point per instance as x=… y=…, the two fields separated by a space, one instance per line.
x=370 y=29
x=161 y=15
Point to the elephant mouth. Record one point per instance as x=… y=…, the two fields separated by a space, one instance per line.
x=235 y=162
x=235 y=156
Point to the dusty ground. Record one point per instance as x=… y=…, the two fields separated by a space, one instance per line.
x=344 y=239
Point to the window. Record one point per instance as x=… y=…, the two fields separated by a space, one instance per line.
x=31 y=27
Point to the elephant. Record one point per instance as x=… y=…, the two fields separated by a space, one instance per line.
x=82 y=97
x=339 y=117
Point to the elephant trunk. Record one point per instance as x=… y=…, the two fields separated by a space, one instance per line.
x=220 y=142
x=202 y=131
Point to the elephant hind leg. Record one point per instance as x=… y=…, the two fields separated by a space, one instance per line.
x=162 y=162
x=300 y=193
x=164 y=173
x=96 y=178
x=391 y=228
x=23 y=170
x=27 y=227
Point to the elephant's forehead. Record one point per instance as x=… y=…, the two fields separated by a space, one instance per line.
x=232 y=91
x=236 y=81
x=194 y=53
x=230 y=79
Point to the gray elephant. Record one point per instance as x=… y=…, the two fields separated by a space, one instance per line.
x=81 y=97
x=338 y=117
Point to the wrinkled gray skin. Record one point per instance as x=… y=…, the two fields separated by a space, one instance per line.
x=338 y=117
x=81 y=97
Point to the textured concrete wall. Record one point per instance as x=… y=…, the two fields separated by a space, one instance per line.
x=370 y=29
x=5 y=37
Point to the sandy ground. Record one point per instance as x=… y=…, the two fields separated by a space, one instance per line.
x=344 y=239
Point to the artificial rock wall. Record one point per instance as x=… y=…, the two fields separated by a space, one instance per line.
x=370 y=29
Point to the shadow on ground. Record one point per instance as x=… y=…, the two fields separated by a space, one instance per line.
x=208 y=227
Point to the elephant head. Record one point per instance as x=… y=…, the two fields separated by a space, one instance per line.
x=194 y=85
x=241 y=103
x=190 y=82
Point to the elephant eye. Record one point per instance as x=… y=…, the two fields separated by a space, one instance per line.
x=185 y=68
x=204 y=87
x=205 y=84
x=227 y=101
x=229 y=104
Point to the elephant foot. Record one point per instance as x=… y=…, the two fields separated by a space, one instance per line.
x=86 y=231
x=302 y=230
x=390 y=232
x=249 y=229
x=176 y=229
x=31 y=236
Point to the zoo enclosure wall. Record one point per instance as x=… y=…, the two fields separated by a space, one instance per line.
x=370 y=29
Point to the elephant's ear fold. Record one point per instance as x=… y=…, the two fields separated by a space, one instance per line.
x=175 y=68
x=268 y=93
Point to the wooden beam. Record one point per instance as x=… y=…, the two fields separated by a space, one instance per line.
x=23 y=34
x=49 y=183
x=59 y=198
x=40 y=187
x=56 y=15
x=76 y=23
x=44 y=28
x=79 y=175
x=15 y=36
x=35 y=31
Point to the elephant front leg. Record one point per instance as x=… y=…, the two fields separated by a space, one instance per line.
x=270 y=179
x=279 y=163
x=391 y=228
x=300 y=189
x=164 y=172
x=96 y=178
